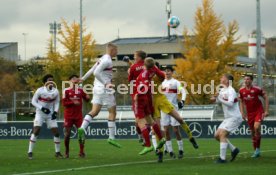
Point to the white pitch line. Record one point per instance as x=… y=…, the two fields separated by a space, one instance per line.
x=121 y=164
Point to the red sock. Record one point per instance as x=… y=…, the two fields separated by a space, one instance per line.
x=146 y=136
x=258 y=140
x=254 y=142
x=66 y=143
x=81 y=148
x=157 y=130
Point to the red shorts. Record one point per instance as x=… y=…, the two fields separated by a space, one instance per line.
x=69 y=122
x=254 y=117
x=141 y=108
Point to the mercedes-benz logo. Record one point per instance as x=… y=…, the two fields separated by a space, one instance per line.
x=196 y=129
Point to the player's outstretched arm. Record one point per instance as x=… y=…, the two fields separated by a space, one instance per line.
x=159 y=73
x=98 y=73
x=90 y=72
x=65 y=99
x=183 y=95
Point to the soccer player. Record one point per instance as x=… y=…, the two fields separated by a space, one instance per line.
x=172 y=87
x=142 y=106
x=103 y=94
x=161 y=103
x=232 y=117
x=72 y=101
x=133 y=72
x=46 y=100
x=255 y=113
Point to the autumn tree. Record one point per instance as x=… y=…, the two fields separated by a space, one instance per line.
x=9 y=82
x=63 y=64
x=208 y=50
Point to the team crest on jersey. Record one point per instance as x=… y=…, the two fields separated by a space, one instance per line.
x=248 y=97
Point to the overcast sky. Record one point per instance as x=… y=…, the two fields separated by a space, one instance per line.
x=134 y=18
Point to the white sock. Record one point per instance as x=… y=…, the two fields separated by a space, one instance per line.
x=111 y=129
x=223 y=149
x=57 y=144
x=32 y=143
x=230 y=145
x=154 y=142
x=86 y=121
x=169 y=146
x=180 y=145
x=165 y=148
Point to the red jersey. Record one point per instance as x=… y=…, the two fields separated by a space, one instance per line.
x=72 y=110
x=143 y=81
x=135 y=70
x=251 y=98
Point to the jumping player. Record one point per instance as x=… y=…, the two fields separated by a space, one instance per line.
x=103 y=94
x=162 y=104
x=46 y=100
x=232 y=117
x=133 y=72
x=72 y=102
x=171 y=88
x=142 y=105
x=249 y=96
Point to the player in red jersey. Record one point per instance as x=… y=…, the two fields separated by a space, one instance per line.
x=142 y=107
x=255 y=113
x=133 y=72
x=72 y=102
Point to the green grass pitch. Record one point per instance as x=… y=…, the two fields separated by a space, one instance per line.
x=103 y=158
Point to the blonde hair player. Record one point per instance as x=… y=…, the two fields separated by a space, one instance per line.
x=103 y=94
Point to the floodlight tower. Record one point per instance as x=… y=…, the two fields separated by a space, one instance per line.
x=54 y=29
x=81 y=56
x=169 y=11
x=259 y=40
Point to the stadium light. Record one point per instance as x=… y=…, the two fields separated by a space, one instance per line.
x=169 y=10
x=81 y=59
x=259 y=39
x=54 y=29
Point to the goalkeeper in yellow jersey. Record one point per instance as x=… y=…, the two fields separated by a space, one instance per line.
x=161 y=103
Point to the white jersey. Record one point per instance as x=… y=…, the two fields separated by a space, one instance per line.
x=47 y=99
x=102 y=71
x=228 y=98
x=171 y=89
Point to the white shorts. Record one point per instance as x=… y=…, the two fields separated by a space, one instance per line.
x=41 y=117
x=230 y=124
x=104 y=99
x=167 y=120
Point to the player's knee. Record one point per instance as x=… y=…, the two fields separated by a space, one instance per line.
x=36 y=132
x=66 y=134
x=217 y=136
x=256 y=131
x=56 y=134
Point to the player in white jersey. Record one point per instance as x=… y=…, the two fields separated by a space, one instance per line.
x=46 y=100
x=172 y=88
x=103 y=94
x=232 y=117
